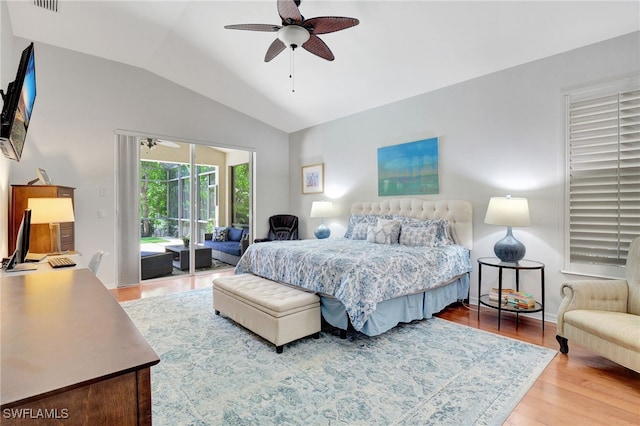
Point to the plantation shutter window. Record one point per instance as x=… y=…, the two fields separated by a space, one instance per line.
x=604 y=177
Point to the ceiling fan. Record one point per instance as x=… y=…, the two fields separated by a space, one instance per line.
x=151 y=143
x=297 y=31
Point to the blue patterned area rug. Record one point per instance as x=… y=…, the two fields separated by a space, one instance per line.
x=213 y=372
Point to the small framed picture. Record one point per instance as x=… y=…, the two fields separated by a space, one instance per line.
x=313 y=179
x=43 y=177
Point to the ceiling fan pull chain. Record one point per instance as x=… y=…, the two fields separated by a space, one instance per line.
x=291 y=71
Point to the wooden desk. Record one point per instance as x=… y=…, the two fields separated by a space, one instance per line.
x=44 y=266
x=71 y=353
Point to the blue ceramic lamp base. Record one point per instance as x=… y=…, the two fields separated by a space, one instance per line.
x=322 y=232
x=509 y=249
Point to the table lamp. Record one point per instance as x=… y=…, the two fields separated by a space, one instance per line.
x=322 y=209
x=508 y=211
x=52 y=211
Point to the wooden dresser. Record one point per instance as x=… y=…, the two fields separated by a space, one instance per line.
x=40 y=234
x=70 y=353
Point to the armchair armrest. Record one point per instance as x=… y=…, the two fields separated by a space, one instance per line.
x=601 y=295
x=208 y=236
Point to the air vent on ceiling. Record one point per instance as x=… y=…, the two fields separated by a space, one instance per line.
x=51 y=5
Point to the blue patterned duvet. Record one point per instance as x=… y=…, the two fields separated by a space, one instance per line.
x=358 y=273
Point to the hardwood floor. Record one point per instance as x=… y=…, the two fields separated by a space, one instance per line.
x=580 y=388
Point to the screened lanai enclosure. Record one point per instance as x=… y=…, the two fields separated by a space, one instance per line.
x=165 y=203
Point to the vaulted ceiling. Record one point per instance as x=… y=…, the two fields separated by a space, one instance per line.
x=400 y=48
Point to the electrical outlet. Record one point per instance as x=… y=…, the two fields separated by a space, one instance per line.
x=101 y=214
x=102 y=191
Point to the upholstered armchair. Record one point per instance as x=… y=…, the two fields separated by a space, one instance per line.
x=604 y=315
x=281 y=227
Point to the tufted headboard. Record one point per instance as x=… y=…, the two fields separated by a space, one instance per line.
x=459 y=213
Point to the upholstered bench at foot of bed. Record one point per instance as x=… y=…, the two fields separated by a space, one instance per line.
x=278 y=313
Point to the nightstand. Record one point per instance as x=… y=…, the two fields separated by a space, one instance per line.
x=523 y=265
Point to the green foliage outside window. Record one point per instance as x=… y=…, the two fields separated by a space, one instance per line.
x=241 y=194
x=165 y=202
x=153 y=197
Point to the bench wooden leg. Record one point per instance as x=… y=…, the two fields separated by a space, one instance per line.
x=217 y=312
x=279 y=349
x=343 y=334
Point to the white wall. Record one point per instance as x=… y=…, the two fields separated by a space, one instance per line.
x=498 y=134
x=82 y=100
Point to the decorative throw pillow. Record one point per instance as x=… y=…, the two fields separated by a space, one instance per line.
x=417 y=236
x=412 y=221
x=434 y=234
x=444 y=233
x=396 y=226
x=442 y=227
x=354 y=219
x=380 y=234
x=234 y=234
x=360 y=231
x=220 y=233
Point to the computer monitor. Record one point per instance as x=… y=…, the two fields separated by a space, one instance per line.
x=22 y=241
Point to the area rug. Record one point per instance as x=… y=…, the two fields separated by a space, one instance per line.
x=214 y=372
x=216 y=265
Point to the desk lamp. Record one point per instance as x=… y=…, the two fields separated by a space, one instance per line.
x=52 y=211
x=508 y=211
x=322 y=209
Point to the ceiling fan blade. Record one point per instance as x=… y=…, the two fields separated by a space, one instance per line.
x=289 y=12
x=329 y=24
x=276 y=47
x=269 y=28
x=318 y=48
x=168 y=143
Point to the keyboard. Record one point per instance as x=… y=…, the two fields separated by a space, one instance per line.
x=60 y=262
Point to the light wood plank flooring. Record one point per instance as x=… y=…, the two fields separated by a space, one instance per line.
x=580 y=388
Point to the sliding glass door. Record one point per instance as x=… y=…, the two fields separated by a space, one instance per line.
x=185 y=191
x=170 y=196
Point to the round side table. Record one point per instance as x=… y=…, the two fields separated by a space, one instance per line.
x=523 y=265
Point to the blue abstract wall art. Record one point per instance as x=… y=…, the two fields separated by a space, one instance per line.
x=409 y=168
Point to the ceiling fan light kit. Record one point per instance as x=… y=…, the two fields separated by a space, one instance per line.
x=293 y=36
x=149 y=143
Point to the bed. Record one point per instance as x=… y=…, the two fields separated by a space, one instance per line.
x=401 y=259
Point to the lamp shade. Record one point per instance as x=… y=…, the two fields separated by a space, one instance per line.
x=508 y=211
x=51 y=210
x=321 y=209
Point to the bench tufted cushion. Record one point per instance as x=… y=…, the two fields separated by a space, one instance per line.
x=266 y=295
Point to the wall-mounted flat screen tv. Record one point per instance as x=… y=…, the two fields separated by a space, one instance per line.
x=18 y=105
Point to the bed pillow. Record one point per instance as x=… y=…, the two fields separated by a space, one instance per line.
x=382 y=234
x=446 y=236
x=433 y=234
x=220 y=233
x=395 y=230
x=355 y=219
x=412 y=221
x=359 y=231
x=450 y=235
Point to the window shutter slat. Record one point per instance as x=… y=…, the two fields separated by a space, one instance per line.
x=604 y=176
